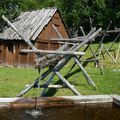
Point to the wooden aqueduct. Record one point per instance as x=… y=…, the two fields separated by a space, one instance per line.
x=55 y=60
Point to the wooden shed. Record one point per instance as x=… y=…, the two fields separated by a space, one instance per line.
x=35 y=26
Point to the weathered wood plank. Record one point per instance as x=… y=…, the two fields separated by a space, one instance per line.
x=68 y=39
x=88 y=78
x=52 y=52
x=66 y=83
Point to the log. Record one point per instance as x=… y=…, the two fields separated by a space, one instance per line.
x=111 y=31
x=52 y=52
x=67 y=83
x=50 y=59
x=68 y=39
x=74 y=40
x=88 y=78
x=55 y=86
x=68 y=43
x=13 y=27
x=34 y=83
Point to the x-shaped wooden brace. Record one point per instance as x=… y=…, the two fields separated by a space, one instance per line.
x=57 y=68
x=101 y=46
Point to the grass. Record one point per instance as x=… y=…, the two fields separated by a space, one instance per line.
x=13 y=80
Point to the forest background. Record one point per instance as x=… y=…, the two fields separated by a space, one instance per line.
x=75 y=13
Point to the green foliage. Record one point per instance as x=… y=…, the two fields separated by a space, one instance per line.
x=9 y=8
x=13 y=80
x=82 y=12
x=76 y=13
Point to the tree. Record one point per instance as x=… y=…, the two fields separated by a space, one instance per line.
x=76 y=13
x=9 y=8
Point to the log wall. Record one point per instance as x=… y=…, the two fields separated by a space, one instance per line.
x=44 y=39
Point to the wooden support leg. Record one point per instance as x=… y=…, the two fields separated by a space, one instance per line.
x=114 y=41
x=47 y=84
x=79 y=58
x=66 y=83
x=88 y=78
x=56 y=71
x=118 y=50
x=97 y=62
x=100 y=51
x=33 y=84
x=58 y=67
x=102 y=39
x=91 y=32
x=109 y=54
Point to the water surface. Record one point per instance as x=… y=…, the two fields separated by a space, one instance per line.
x=76 y=112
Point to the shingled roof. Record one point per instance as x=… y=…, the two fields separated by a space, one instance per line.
x=30 y=24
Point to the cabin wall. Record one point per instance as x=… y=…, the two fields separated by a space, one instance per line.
x=3 y=53
x=44 y=39
x=11 y=55
x=17 y=54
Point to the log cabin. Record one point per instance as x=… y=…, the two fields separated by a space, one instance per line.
x=35 y=26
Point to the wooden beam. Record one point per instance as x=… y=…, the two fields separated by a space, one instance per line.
x=88 y=39
x=111 y=31
x=67 y=83
x=53 y=52
x=56 y=30
x=16 y=30
x=88 y=78
x=47 y=83
x=55 y=86
x=68 y=43
x=68 y=39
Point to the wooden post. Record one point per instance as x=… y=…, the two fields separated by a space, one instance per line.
x=91 y=48
x=66 y=83
x=103 y=38
x=114 y=41
x=88 y=78
x=47 y=84
x=57 y=31
x=53 y=52
x=79 y=58
x=118 y=50
x=93 y=33
x=34 y=83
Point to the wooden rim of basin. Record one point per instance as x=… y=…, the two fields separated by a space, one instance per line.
x=19 y=103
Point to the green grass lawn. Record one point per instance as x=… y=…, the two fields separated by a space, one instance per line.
x=13 y=80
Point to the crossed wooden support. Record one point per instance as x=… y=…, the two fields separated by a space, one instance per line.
x=55 y=71
x=107 y=50
x=55 y=67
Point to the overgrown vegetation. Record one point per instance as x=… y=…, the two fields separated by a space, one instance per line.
x=13 y=80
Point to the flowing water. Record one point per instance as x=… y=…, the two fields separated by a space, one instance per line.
x=76 y=112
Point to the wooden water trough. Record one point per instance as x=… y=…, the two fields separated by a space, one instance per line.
x=18 y=103
x=65 y=107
